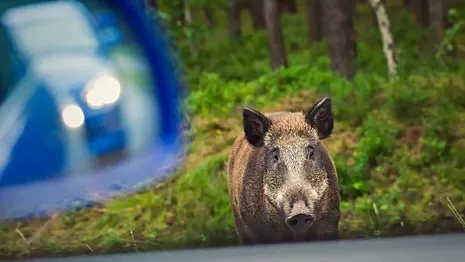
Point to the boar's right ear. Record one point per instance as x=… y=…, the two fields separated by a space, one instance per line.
x=320 y=117
x=255 y=126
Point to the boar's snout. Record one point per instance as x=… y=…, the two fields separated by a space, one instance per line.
x=300 y=222
x=301 y=219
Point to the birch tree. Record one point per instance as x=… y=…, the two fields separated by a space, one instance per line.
x=386 y=35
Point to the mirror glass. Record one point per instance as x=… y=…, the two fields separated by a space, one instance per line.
x=80 y=107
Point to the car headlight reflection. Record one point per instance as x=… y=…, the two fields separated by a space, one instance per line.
x=102 y=91
x=72 y=116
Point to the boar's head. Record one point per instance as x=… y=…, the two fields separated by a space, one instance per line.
x=295 y=162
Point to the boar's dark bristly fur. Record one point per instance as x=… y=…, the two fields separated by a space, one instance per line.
x=282 y=182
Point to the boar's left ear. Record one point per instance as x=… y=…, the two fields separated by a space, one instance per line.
x=320 y=117
x=255 y=126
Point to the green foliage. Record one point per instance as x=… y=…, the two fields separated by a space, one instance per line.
x=408 y=103
x=203 y=193
x=457 y=19
x=376 y=142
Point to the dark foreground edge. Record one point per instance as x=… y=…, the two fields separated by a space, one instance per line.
x=437 y=248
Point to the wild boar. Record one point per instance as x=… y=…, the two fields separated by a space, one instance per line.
x=282 y=182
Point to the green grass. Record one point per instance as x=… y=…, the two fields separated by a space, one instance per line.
x=397 y=145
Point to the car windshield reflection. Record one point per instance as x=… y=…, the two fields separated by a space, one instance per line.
x=38 y=29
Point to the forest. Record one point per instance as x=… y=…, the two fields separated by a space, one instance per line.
x=395 y=71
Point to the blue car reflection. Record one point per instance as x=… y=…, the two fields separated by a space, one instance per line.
x=66 y=48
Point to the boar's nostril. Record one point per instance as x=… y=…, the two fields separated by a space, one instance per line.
x=300 y=222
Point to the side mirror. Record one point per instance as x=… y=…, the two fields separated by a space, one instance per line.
x=82 y=126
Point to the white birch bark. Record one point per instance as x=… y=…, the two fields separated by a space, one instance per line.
x=385 y=30
x=187 y=12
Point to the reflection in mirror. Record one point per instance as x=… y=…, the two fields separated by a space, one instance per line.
x=77 y=96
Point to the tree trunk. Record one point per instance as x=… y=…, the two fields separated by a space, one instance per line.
x=179 y=12
x=406 y=4
x=188 y=20
x=314 y=17
x=374 y=15
x=438 y=20
x=234 y=21
x=340 y=35
x=281 y=6
x=420 y=11
x=257 y=12
x=187 y=13
x=287 y=5
x=275 y=35
x=153 y=4
x=373 y=12
x=388 y=42
x=209 y=16
x=291 y=6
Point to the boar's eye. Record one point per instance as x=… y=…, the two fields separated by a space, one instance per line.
x=310 y=151
x=275 y=155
